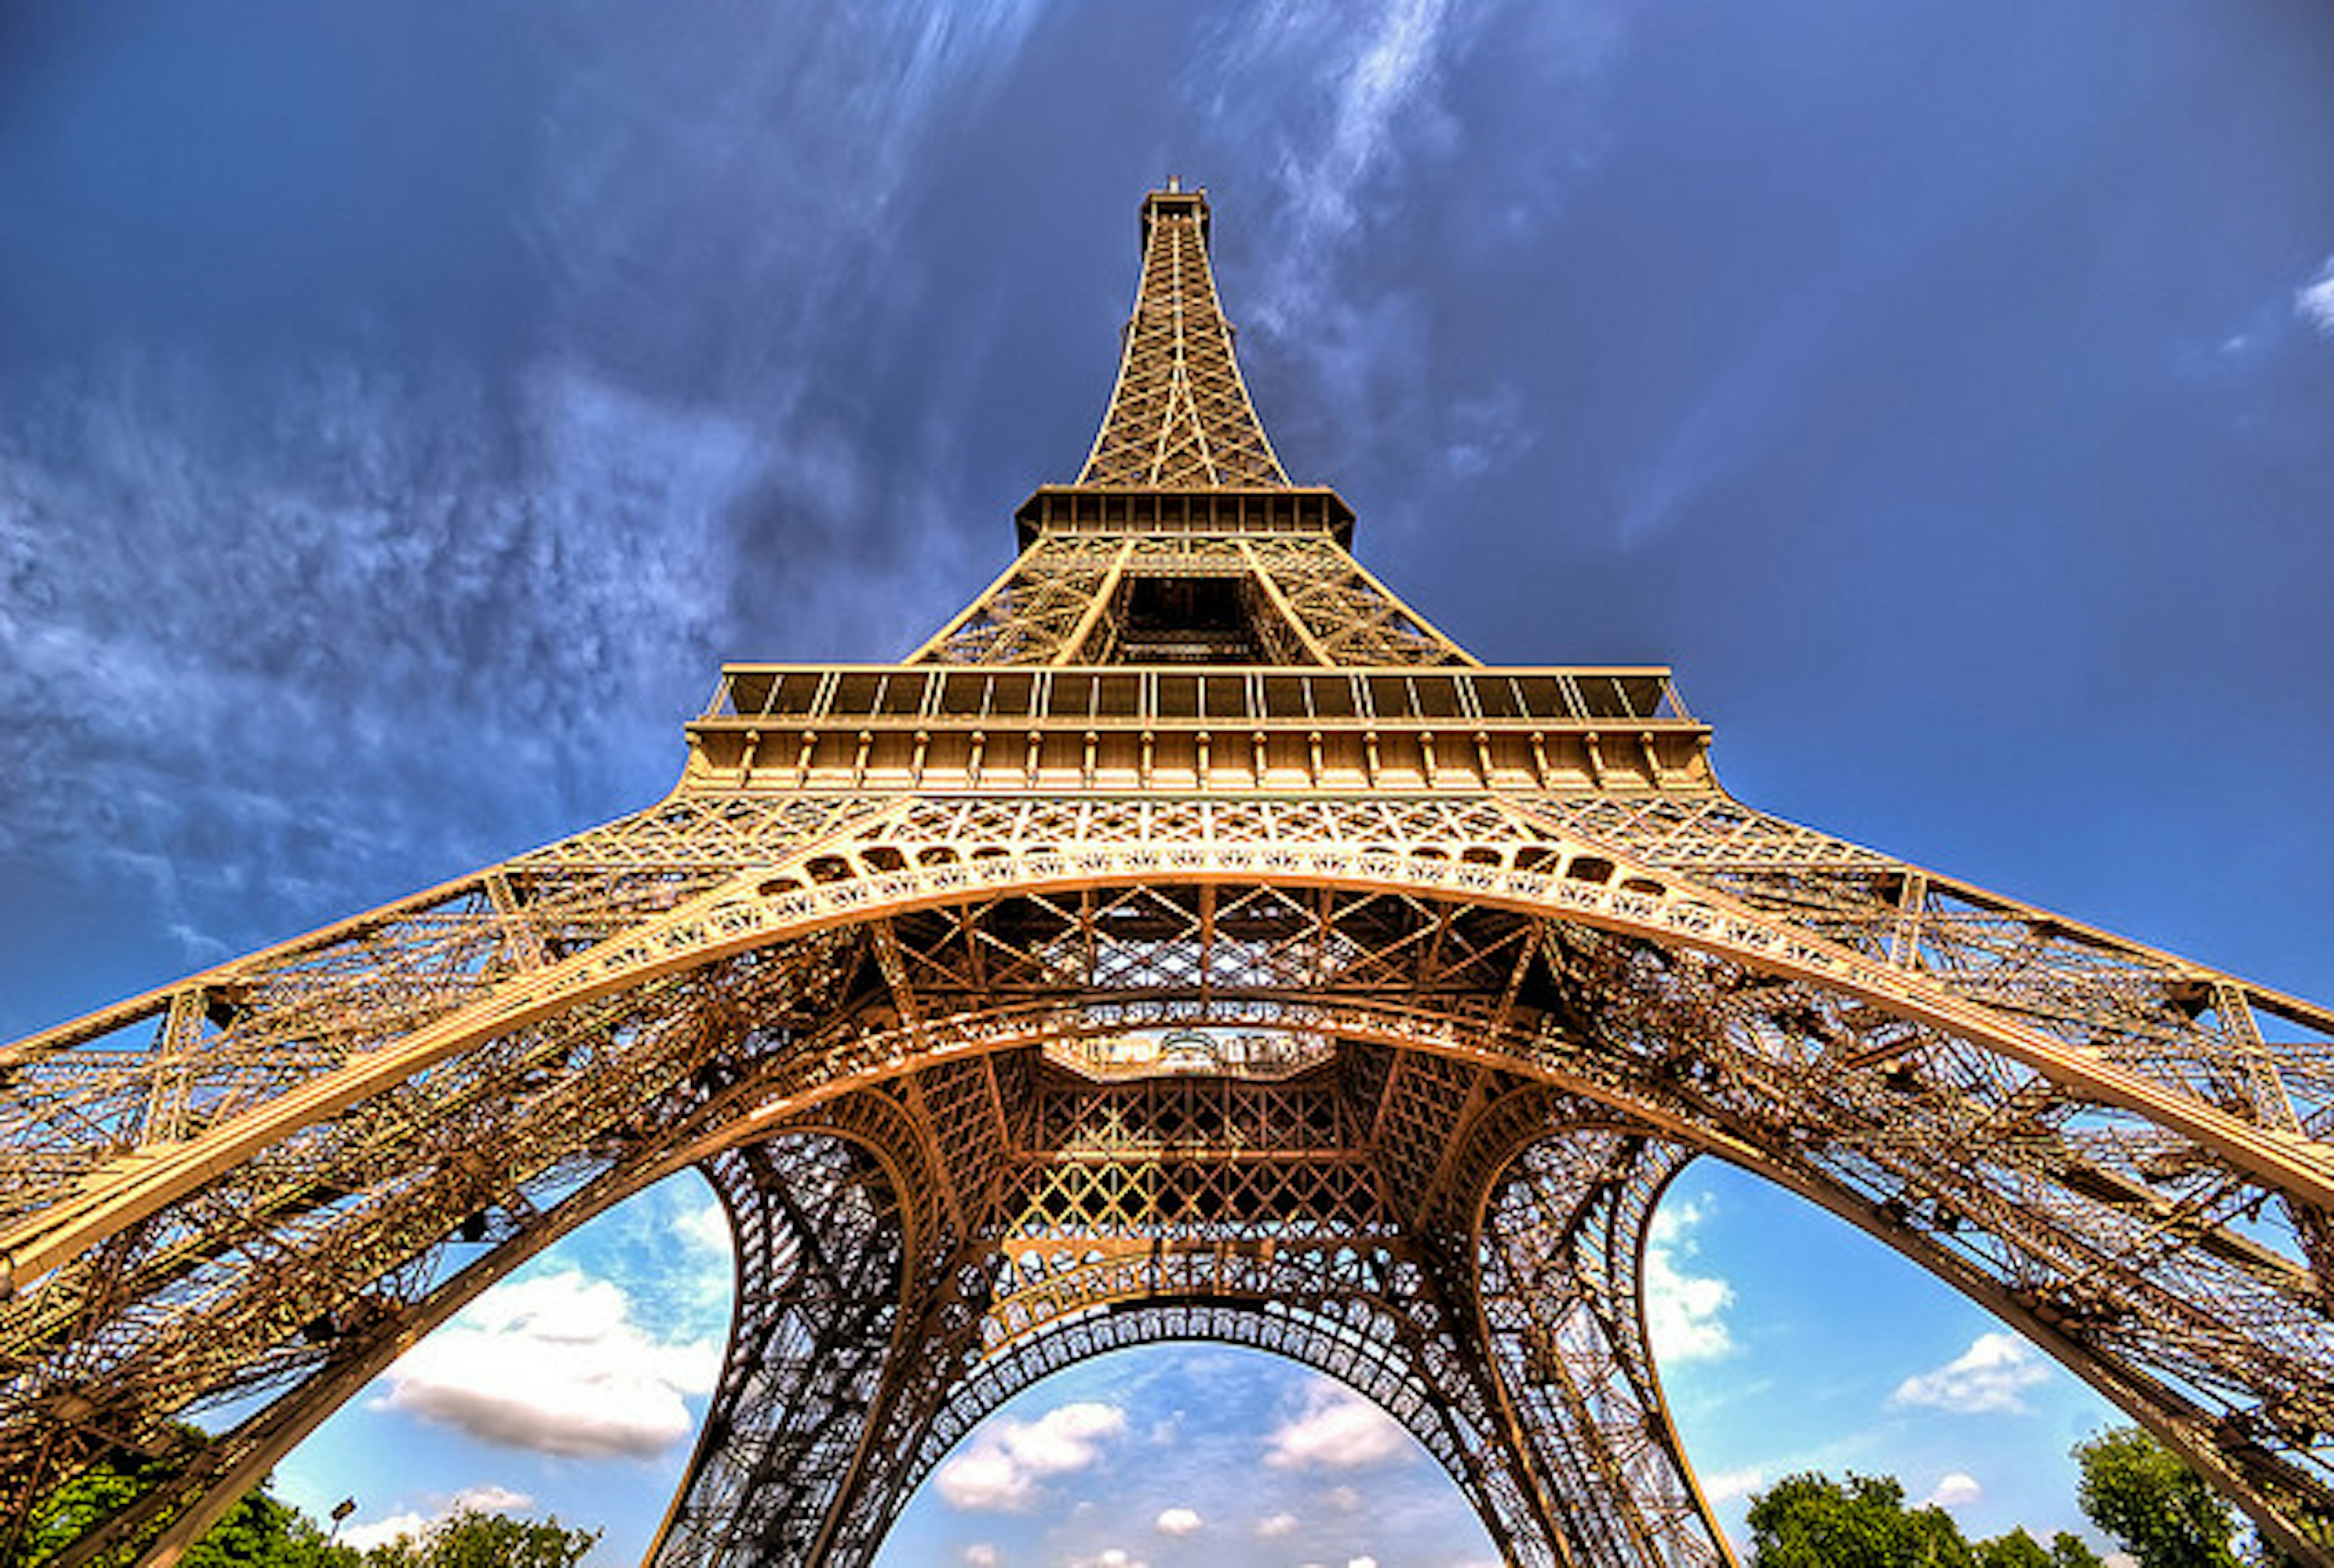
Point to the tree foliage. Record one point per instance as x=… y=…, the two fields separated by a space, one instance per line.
x=2141 y=1493
x=259 y=1532
x=2020 y=1550
x=470 y=1539
x=263 y=1532
x=1811 y=1520
x=75 y=1508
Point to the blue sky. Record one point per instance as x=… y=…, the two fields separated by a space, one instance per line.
x=404 y=411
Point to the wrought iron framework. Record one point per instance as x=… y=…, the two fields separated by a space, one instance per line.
x=1190 y=941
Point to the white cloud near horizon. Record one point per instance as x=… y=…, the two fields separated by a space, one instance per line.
x=1177 y=1521
x=1952 y=1490
x=403 y=1526
x=1728 y=1486
x=489 y=1497
x=1685 y=1312
x=1989 y=1378
x=1337 y=1430
x=1003 y=1467
x=555 y=1364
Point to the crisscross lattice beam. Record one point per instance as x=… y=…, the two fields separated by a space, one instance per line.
x=1180 y=417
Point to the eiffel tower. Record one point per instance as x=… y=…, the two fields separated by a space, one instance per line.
x=1189 y=942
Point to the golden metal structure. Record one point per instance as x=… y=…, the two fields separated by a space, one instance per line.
x=1189 y=942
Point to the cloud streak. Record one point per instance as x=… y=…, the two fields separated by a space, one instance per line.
x=1337 y=1430
x=555 y=1364
x=2314 y=302
x=1363 y=114
x=1685 y=1312
x=1989 y=1378
x=1006 y=1465
x=325 y=612
x=487 y=1498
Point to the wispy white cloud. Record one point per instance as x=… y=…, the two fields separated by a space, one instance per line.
x=1177 y=1521
x=706 y=1229
x=2314 y=300
x=1728 y=1486
x=1110 y=1557
x=557 y=1364
x=1360 y=113
x=1336 y=1430
x=1989 y=1378
x=401 y=1526
x=318 y=625
x=279 y=659
x=1007 y=1462
x=410 y=1523
x=1685 y=1312
x=1384 y=90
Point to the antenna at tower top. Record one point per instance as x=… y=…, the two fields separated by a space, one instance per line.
x=1174 y=183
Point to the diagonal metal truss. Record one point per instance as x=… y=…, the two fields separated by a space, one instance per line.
x=1189 y=942
x=1180 y=418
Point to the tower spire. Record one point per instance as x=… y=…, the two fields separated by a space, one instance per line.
x=1180 y=417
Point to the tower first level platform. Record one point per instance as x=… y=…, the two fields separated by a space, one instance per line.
x=1208 y=729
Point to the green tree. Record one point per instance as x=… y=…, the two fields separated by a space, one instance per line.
x=258 y=1532
x=469 y=1539
x=1811 y=1520
x=75 y=1508
x=263 y=1532
x=2068 y=1551
x=2016 y=1549
x=2020 y=1550
x=2139 y=1491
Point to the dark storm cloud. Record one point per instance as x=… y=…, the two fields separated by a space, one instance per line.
x=1361 y=137
x=1955 y=377
x=406 y=398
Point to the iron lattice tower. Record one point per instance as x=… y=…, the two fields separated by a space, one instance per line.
x=1189 y=942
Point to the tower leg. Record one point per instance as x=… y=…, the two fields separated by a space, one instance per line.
x=1562 y=1253
x=821 y=1260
